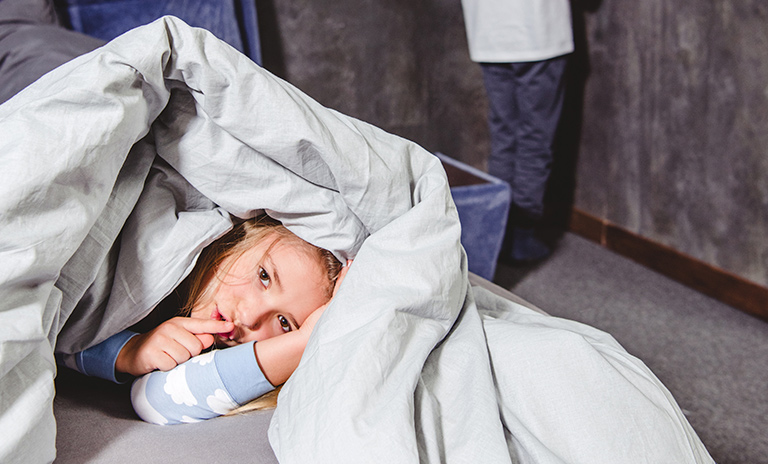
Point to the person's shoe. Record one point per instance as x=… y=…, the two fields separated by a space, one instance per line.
x=526 y=247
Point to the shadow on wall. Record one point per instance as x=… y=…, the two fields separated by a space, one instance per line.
x=561 y=189
x=272 y=54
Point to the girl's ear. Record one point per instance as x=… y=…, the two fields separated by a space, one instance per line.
x=342 y=273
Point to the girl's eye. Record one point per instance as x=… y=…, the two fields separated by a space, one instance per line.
x=284 y=324
x=263 y=277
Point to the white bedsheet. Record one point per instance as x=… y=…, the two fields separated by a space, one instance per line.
x=120 y=166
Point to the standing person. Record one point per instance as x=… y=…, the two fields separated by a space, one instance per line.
x=522 y=46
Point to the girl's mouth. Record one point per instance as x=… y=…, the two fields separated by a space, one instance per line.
x=216 y=315
x=228 y=335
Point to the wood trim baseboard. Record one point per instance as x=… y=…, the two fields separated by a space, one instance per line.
x=717 y=283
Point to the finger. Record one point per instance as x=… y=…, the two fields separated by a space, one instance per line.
x=178 y=342
x=206 y=339
x=192 y=342
x=207 y=326
x=165 y=362
x=178 y=353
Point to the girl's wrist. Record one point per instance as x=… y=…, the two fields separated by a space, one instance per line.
x=124 y=361
x=279 y=356
x=121 y=362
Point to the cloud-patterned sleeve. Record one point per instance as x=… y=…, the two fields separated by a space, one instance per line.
x=206 y=386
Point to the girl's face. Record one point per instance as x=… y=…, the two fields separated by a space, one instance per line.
x=267 y=291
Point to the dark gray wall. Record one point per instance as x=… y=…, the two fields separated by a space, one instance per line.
x=666 y=124
x=675 y=127
x=399 y=64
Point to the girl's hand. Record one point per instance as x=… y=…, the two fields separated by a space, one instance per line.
x=169 y=344
x=309 y=324
x=279 y=356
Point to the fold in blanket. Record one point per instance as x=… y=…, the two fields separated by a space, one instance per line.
x=120 y=166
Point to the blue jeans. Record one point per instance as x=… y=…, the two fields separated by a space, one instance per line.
x=525 y=101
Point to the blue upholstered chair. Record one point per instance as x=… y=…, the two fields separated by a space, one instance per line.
x=233 y=21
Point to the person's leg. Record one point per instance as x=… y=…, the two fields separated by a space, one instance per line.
x=500 y=87
x=522 y=153
x=540 y=99
x=524 y=106
x=540 y=90
x=504 y=123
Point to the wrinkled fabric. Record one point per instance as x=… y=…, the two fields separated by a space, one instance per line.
x=120 y=166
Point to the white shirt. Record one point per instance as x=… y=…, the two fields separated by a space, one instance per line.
x=508 y=31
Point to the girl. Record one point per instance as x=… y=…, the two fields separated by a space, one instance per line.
x=253 y=284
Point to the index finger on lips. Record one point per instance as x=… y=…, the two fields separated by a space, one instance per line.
x=208 y=326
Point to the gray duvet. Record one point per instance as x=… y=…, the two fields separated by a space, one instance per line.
x=120 y=166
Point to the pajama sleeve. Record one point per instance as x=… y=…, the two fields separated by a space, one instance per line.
x=99 y=360
x=206 y=386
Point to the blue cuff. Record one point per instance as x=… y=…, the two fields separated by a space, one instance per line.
x=240 y=373
x=99 y=360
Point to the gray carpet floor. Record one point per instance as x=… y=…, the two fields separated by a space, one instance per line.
x=712 y=357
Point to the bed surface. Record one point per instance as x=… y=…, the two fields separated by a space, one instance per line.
x=95 y=423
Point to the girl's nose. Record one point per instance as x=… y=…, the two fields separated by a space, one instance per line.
x=248 y=309
x=253 y=324
x=247 y=319
x=259 y=331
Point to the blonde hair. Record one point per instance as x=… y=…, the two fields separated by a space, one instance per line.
x=241 y=238
x=266 y=401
